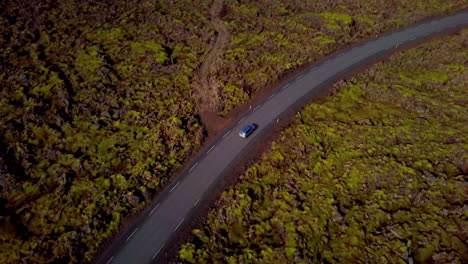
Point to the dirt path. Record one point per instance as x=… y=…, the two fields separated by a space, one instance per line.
x=206 y=85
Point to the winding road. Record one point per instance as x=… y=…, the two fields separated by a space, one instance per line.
x=174 y=206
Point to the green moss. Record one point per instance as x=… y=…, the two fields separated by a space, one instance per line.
x=423 y=255
x=94 y=113
x=186 y=253
x=89 y=62
x=150 y=47
x=284 y=30
x=323 y=40
x=333 y=18
x=358 y=177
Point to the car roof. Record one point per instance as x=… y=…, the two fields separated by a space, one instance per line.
x=248 y=127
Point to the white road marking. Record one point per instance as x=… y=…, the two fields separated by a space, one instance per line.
x=193 y=167
x=210 y=149
x=257 y=107
x=227 y=133
x=284 y=87
x=131 y=234
x=195 y=204
x=154 y=209
x=341 y=54
x=271 y=96
x=300 y=76
x=181 y=221
x=240 y=121
x=174 y=186
x=109 y=261
x=158 y=250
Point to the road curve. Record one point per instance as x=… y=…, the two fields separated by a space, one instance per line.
x=147 y=239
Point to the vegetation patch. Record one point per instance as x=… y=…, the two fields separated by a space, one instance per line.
x=95 y=115
x=97 y=107
x=268 y=38
x=375 y=174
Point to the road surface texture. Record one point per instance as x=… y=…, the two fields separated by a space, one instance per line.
x=148 y=238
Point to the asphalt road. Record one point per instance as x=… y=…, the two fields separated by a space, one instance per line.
x=146 y=240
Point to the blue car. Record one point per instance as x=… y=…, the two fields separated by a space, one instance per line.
x=247 y=130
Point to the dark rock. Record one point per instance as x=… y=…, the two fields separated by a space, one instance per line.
x=133 y=200
x=366 y=121
x=51 y=155
x=464 y=166
x=105 y=114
